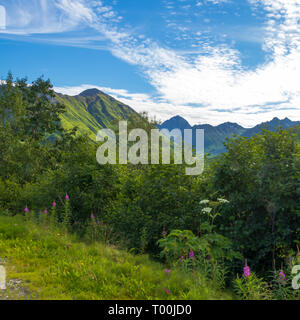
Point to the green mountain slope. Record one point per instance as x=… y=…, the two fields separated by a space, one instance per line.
x=93 y=110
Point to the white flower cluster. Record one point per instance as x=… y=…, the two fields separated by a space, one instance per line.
x=223 y=200
x=204 y=201
x=206 y=210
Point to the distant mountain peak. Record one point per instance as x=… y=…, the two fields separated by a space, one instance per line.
x=230 y=125
x=275 y=119
x=214 y=136
x=176 y=122
x=90 y=92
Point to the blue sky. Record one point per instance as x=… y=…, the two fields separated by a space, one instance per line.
x=210 y=61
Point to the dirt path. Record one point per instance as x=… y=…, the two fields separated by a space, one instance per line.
x=14 y=288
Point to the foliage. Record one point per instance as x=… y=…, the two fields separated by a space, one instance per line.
x=260 y=177
x=207 y=252
x=252 y=288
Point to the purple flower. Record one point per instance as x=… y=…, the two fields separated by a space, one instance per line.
x=92 y=216
x=54 y=204
x=167 y=291
x=26 y=209
x=191 y=254
x=182 y=258
x=67 y=197
x=282 y=275
x=167 y=270
x=247 y=272
x=45 y=211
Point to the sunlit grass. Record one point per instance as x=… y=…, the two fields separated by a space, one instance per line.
x=53 y=265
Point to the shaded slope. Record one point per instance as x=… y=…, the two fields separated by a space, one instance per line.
x=214 y=136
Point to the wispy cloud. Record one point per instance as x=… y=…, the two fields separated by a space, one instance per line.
x=208 y=84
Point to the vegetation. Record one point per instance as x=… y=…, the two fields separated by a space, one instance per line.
x=236 y=227
x=55 y=265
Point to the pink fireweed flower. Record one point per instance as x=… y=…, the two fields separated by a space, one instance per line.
x=282 y=275
x=92 y=216
x=191 y=254
x=54 y=204
x=67 y=197
x=247 y=272
x=45 y=211
x=167 y=270
x=167 y=291
x=26 y=209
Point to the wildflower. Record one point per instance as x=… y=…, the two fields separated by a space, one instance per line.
x=207 y=210
x=45 y=211
x=67 y=197
x=204 y=201
x=191 y=254
x=182 y=258
x=282 y=275
x=247 y=271
x=54 y=204
x=167 y=270
x=222 y=200
x=26 y=209
x=167 y=291
x=92 y=216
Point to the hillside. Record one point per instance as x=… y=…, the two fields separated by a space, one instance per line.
x=93 y=110
x=215 y=136
x=45 y=263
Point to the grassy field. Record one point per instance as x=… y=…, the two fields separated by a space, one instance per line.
x=45 y=263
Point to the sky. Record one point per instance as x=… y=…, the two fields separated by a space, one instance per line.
x=210 y=61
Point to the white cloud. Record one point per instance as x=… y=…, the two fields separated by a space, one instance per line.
x=210 y=86
x=216 y=80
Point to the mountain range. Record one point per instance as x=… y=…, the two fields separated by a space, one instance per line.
x=93 y=110
x=214 y=136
